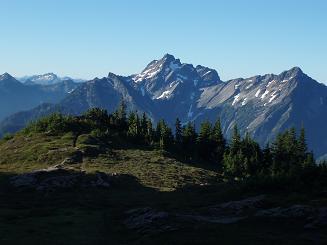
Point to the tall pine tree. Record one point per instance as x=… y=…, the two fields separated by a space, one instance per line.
x=219 y=142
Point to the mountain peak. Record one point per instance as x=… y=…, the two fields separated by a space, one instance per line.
x=169 y=60
x=296 y=70
x=292 y=73
x=6 y=76
x=169 y=57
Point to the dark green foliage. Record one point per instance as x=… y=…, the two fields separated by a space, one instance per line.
x=54 y=124
x=189 y=137
x=133 y=125
x=290 y=153
x=178 y=132
x=7 y=137
x=205 y=141
x=164 y=135
x=241 y=159
x=219 y=142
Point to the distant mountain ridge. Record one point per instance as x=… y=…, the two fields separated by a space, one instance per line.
x=16 y=96
x=167 y=88
x=46 y=79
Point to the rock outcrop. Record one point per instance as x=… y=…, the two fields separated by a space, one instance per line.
x=60 y=177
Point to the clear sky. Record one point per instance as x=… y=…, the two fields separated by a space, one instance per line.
x=88 y=38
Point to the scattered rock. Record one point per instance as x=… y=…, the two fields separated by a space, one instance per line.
x=77 y=157
x=60 y=177
x=239 y=207
x=315 y=217
x=210 y=219
x=295 y=211
x=148 y=220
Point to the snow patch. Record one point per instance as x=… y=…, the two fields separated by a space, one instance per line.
x=264 y=94
x=257 y=93
x=249 y=86
x=236 y=99
x=175 y=83
x=190 y=113
x=270 y=83
x=164 y=95
x=272 y=98
x=206 y=73
x=244 y=102
x=148 y=73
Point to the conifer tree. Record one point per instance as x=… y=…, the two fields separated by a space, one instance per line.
x=149 y=132
x=189 y=139
x=144 y=125
x=267 y=159
x=178 y=132
x=164 y=135
x=204 y=140
x=121 y=115
x=218 y=141
x=132 y=125
x=236 y=141
x=302 y=148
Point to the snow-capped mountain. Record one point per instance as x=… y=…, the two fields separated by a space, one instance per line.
x=168 y=88
x=16 y=96
x=46 y=79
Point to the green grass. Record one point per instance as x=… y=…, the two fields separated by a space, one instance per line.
x=151 y=178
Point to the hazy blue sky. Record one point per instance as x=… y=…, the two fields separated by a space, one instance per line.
x=88 y=38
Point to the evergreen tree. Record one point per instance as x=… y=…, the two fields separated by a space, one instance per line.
x=236 y=141
x=267 y=159
x=144 y=124
x=164 y=135
x=252 y=155
x=204 y=140
x=132 y=125
x=120 y=116
x=138 y=125
x=149 y=132
x=97 y=118
x=218 y=141
x=233 y=164
x=178 y=132
x=309 y=161
x=189 y=139
x=302 y=148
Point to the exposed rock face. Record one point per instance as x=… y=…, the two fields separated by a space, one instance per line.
x=59 y=177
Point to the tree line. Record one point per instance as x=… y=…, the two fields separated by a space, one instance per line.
x=239 y=158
